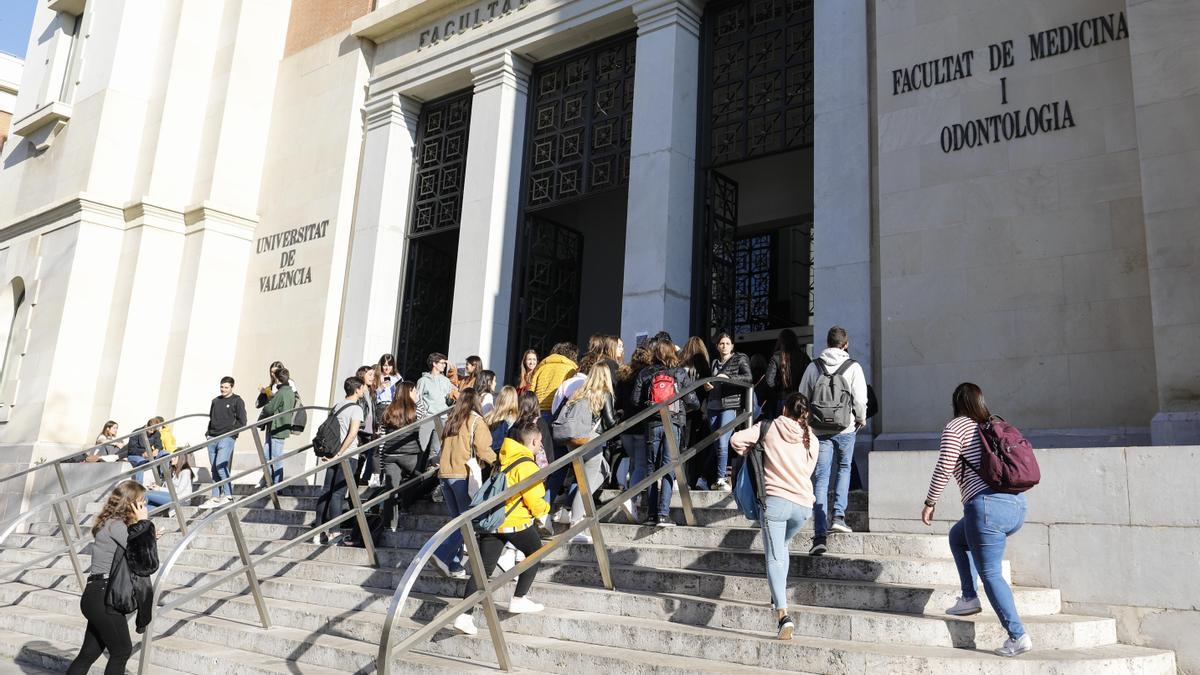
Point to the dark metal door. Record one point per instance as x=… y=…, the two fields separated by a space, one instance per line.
x=548 y=308
x=720 y=233
x=428 y=299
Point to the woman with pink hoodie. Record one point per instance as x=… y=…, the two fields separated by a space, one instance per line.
x=789 y=454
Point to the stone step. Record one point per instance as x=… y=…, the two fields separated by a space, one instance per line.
x=857 y=500
x=1053 y=631
x=305 y=647
x=718 y=648
x=866 y=594
x=218 y=551
x=415 y=530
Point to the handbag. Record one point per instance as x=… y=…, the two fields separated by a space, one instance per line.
x=120 y=593
x=474 y=471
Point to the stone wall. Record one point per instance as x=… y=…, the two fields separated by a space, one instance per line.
x=1117 y=530
x=1017 y=264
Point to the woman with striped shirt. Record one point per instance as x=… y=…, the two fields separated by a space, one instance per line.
x=989 y=518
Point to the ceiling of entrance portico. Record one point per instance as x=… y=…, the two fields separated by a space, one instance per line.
x=541 y=30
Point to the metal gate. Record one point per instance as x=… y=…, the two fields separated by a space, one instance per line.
x=549 y=294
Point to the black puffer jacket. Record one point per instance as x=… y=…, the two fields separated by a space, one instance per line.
x=141 y=553
x=723 y=397
x=641 y=393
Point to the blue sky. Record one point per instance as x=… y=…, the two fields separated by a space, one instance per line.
x=16 y=17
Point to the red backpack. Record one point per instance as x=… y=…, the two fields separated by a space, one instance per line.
x=1006 y=460
x=663 y=388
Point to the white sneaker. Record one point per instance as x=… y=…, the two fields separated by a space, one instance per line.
x=465 y=624
x=317 y=540
x=508 y=558
x=630 y=510
x=1013 y=647
x=582 y=538
x=964 y=607
x=213 y=503
x=562 y=516
x=523 y=605
x=722 y=485
x=374 y=481
x=171 y=513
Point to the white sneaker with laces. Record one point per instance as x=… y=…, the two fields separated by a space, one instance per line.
x=964 y=607
x=465 y=624
x=523 y=605
x=1013 y=647
x=213 y=503
x=722 y=485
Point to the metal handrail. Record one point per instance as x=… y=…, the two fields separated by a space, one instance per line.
x=144 y=432
x=357 y=511
x=591 y=521
x=57 y=503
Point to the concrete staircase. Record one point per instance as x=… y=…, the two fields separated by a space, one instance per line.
x=688 y=600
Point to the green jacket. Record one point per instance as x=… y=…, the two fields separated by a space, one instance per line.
x=283 y=400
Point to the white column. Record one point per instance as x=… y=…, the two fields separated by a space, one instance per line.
x=487 y=235
x=372 y=297
x=662 y=159
x=842 y=183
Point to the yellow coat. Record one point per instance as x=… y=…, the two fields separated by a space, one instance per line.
x=168 y=439
x=548 y=375
x=531 y=502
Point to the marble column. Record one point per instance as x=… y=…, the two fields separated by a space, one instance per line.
x=372 y=295
x=656 y=292
x=842 y=184
x=1164 y=57
x=488 y=225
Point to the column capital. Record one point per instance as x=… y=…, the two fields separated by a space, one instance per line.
x=654 y=15
x=392 y=108
x=506 y=69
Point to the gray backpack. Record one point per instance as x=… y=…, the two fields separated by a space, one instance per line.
x=831 y=407
x=574 y=424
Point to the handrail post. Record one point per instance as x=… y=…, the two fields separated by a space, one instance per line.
x=62 y=528
x=489 y=604
x=251 y=575
x=62 y=484
x=589 y=509
x=681 y=481
x=363 y=528
x=178 y=506
x=268 y=477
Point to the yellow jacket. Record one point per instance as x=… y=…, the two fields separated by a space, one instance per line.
x=548 y=375
x=168 y=439
x=531 y=502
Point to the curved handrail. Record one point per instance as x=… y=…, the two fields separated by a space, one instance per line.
x=228 y=511
x=591 y=521
x=66 y=458
x=68 y=499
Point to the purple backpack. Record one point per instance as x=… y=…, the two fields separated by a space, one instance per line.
x=1006 y=460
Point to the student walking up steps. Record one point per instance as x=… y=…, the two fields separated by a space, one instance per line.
x=790 y=450
x=989 y=518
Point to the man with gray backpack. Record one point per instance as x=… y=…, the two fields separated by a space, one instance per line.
x=837 y=393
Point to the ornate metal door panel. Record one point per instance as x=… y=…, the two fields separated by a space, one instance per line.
x=582 y=120
x=441 y=161
x=720 y=229
x=753 y=279
x=441 y=153
x=760 y=64
x=549 y=302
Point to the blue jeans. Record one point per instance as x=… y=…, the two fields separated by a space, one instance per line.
x=220 y=455
x=155 y=498
x=781 y=521
x=454 y=495
x=716 y=420
x=977 y=542
x=635 y=450
x=841 y=445
x=275 y=451
x=658 y=455
x=135 y=461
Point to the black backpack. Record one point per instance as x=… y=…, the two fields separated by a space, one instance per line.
x=328 y=439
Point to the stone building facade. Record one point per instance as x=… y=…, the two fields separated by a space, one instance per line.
x=997 y=192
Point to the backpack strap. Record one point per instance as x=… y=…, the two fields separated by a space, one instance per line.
x=821 y=369
x=764 y=427
x=845 y=366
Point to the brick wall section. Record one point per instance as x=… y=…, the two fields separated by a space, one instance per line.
x=314 y=20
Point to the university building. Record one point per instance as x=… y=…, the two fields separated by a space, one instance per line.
x=1004 y=193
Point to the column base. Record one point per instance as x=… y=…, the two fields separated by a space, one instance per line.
x=1176 y=428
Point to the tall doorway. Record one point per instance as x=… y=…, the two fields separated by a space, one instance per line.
x=753 y=240
x=571 y=252
x=432 y=243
